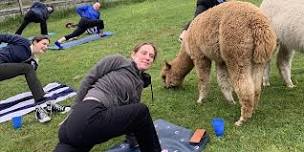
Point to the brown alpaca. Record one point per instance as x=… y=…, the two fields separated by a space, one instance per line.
x=239 y=38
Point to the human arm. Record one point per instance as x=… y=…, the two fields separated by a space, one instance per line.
x=33 y=62
x=103 y=67
x=13 y=39
x=82 y=9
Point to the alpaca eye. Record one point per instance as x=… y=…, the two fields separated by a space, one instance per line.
x=164 y=77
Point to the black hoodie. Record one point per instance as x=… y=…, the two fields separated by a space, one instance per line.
x=40 y=11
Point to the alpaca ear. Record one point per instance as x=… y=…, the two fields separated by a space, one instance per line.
x=168 y=66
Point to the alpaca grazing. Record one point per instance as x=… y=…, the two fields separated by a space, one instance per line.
x=287 y=19
x=239 y=38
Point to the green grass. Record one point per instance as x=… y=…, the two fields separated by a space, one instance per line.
x=276 y=126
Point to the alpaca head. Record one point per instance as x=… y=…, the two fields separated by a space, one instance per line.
x=170 y=76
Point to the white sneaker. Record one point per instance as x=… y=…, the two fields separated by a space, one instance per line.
x=41 y=115
x=54 y=107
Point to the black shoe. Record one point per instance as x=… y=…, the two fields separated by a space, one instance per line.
x=54 y=107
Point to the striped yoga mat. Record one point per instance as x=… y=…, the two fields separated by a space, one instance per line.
x=23 y=103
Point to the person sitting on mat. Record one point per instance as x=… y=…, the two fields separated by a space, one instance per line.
x=19 y=57
x=90 y=17
x=108 y=104
x=201 y=6
x=38 y=13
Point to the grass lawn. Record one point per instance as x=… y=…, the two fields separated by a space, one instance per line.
x=276 y=126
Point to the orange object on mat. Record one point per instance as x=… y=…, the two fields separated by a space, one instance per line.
x=197 y=136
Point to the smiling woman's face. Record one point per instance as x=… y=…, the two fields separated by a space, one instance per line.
x=41 y=46
x=144 y=57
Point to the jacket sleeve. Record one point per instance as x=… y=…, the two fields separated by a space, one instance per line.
x=98 y=17
x=103 y=67
x=81 y=10
x=14 y=39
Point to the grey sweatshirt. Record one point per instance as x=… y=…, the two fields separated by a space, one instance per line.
x=114 y=81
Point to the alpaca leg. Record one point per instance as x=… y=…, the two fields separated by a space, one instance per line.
x=266 y=81
x=203 y=68
x=224 y=82
x=284 y=64
x=242 y=81
x=257 y=75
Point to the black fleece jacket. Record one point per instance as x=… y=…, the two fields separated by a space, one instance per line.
x=18 y=49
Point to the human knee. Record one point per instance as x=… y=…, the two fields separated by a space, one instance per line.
x=142 y=108
x=61 y=147
x=27 y=68
x=101 y=24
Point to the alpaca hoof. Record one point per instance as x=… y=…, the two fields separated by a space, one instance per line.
x=266 y=84
x=290 y=85
x=199 y=101
x=233 y=102
x=238 y=123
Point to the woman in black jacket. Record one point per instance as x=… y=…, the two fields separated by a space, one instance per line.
x=19 y=57
x=38 y=13
x=201 y=6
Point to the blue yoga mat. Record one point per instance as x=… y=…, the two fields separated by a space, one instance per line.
x=81 y=41
x=171 y=137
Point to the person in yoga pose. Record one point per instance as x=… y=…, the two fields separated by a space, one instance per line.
x=108 y=104
x=38 y=13
x=201 y=6
x=90 y=17
x=19 y=57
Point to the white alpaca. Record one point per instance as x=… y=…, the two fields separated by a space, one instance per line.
x=287 y=18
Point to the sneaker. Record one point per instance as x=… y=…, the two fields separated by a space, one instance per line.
x=58 y=45
x=41 y=115
x=48 y=108
x=101 y=33
x=54 y=107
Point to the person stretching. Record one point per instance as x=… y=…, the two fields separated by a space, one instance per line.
x=38 y=13
x=90 y=17
x=19 y=57
x=108 y=104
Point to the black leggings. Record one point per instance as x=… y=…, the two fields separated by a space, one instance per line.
x=31 y=17
x=11 y=70
x=83 y=25
x=90 y=123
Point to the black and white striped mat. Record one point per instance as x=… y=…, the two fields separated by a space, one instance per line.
x=23 y=103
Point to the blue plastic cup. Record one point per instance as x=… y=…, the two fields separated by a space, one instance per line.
x=17 y=122
x=218 y=125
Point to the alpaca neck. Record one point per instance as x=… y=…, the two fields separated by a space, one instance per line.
x=182 y=64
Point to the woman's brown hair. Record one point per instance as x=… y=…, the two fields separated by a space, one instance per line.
x=41 y=37
x=138 y=46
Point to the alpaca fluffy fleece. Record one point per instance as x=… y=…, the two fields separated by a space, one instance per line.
x=287 y=19
x=239 y=39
